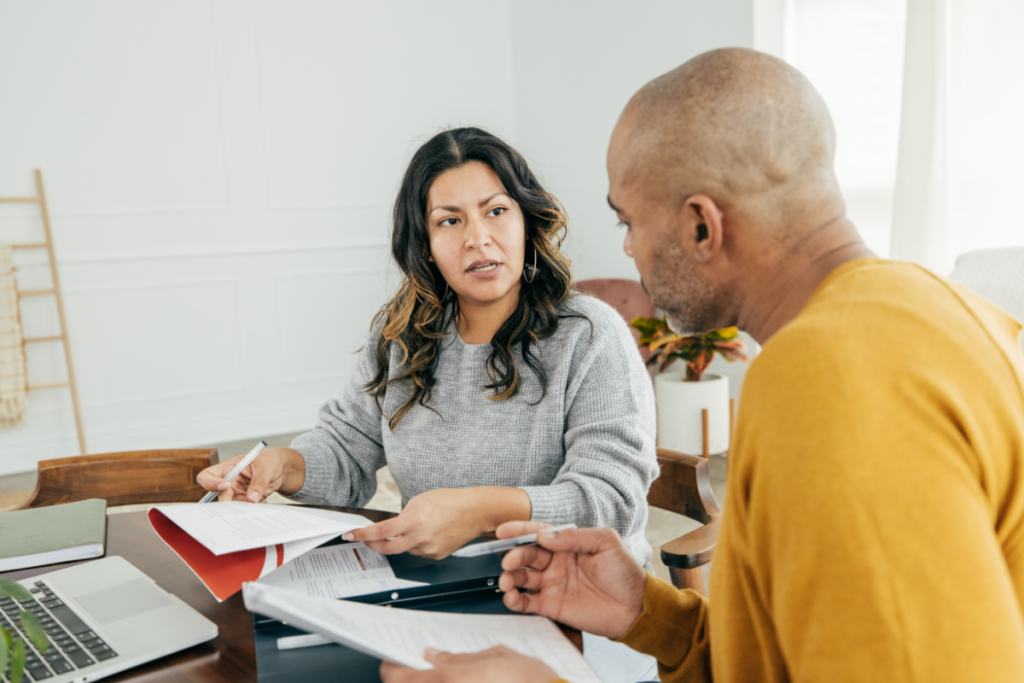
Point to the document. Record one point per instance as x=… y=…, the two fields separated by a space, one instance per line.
x=271 y=535
x=401 y=636
x=230 y=527
x=336 y=571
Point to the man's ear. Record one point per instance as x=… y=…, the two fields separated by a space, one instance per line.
x=702 y=225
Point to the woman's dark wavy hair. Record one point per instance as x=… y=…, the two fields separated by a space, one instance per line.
x=416 y=318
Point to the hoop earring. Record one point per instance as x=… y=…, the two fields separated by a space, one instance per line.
x=532 y=270
x=445 y=297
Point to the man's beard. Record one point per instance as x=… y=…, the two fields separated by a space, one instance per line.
x=687 y=299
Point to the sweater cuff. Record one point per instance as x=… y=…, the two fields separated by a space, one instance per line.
x=320 y=477
x=555 y=504
x=666 y=628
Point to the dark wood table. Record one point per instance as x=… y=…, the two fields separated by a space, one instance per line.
x=231 y=656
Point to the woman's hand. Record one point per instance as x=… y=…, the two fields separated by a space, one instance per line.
x=437 y=523
x=498 y=664
x=276 y=469
x=584 y=578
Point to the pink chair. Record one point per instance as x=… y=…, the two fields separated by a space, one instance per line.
x=625 y=296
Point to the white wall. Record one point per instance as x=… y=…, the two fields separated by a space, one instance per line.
x=220 y=174
x=576 y=64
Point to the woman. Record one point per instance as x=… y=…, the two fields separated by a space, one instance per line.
x=492 y=391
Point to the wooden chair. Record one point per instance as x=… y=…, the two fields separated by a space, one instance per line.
x=129 y=478
x=684 y=487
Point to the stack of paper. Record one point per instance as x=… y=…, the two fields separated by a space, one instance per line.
x=227 y=544
x=401 y=636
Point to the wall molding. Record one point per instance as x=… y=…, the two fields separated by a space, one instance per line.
x=238 y=386
x=171 y=434
x=197 y=254
x=283 y=359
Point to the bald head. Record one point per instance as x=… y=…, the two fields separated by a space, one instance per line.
x=722 y=171
x=736 y=124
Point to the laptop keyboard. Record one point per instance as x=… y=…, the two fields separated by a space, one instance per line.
x=73 y=644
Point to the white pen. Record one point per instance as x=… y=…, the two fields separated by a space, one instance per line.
x=478 y=549
x=236 y=470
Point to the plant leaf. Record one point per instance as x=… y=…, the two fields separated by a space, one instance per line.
x=10 y=589
x=35 y=631
x=17 y=661
x=5 y=647
x=724 y=333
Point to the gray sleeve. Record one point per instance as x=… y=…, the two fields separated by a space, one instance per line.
x=609 y=439
x=344 y=451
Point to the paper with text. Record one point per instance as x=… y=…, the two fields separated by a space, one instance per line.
x=401 y=636
x=336 y=571
x=231 y=527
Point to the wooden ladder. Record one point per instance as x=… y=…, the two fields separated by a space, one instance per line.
x=40 y=199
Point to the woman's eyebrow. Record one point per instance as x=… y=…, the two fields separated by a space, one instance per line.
x=453 y=209
x=491 y=197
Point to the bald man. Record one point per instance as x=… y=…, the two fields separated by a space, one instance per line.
x=874 y=522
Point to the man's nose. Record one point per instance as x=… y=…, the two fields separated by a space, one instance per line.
x=627 y=243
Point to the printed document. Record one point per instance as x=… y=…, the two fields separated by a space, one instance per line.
x=230 y=527
x=336 y=571
x=401 y=636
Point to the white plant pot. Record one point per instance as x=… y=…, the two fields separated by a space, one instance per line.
x=680 y=426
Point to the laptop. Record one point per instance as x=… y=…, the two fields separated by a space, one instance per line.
x=102 y=617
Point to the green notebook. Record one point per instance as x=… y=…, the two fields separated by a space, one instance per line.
x=58 y=533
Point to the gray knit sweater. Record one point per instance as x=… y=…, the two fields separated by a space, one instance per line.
x=584 y=452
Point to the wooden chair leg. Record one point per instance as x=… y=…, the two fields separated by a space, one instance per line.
x=704 y=432
x=688 y=578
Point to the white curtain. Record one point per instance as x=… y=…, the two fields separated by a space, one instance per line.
x=960 y=174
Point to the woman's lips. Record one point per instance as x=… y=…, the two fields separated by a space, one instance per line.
x=485 y=271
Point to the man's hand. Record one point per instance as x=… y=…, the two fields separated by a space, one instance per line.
x=276 y=469
x=437 y=523
x=584 y=578
x=499 y=664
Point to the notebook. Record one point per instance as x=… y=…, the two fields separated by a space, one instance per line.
x=48 y=535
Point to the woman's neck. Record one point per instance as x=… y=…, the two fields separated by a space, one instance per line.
x=477 y=323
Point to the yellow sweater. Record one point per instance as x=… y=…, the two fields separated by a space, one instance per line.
x=874 y=523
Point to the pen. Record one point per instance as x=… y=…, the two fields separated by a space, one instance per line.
x=478 y=549
x=236 y=470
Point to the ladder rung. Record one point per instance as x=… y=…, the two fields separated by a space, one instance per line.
x=36 y=245
x=36 y=292
x=19 y=200
x=50 y=385
x=30 y=340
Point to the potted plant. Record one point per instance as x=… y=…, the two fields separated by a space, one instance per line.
x=12 y=647
x=683 y=395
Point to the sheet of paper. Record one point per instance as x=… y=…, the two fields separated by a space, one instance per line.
x=401 y=636
x=230 y=527
x=336 y=571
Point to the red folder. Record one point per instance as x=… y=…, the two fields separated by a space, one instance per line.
x=223 y=575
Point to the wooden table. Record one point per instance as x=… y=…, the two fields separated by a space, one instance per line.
x=231 y=656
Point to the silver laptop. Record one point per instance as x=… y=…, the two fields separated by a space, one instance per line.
x=102 y=617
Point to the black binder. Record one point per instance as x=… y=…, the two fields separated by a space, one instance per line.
x=465 y=585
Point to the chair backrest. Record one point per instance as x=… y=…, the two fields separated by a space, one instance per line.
x=684 y=487
x=625 y=296
x=997 y=275
x=128 y=478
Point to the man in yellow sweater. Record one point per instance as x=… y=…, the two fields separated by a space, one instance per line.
x=874 y=522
